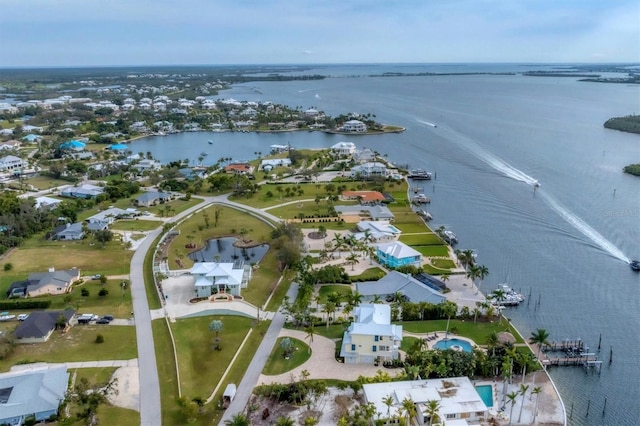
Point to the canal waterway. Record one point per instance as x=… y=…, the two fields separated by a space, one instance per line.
x=566 y=246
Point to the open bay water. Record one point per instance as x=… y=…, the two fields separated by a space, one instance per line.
x=567 y=245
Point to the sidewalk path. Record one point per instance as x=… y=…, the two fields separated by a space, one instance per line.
x=82 y=364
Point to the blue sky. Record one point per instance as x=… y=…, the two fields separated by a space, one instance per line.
x=141 y=32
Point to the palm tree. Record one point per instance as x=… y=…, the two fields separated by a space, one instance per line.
x=410 y=408
x=433 y=407
x=483 y=271
x=216 y=326
x=539 y=337
x=513 y=396
x=376 y=299
x=523 y=392
x=310 y=333
x=338 y=242
x=388 y=401
x=536 y=391
x=238 y=420
x=352 y=260
x=472 y=273
x=449 y=308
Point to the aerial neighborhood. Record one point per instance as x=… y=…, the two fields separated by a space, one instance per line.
x=285 y=286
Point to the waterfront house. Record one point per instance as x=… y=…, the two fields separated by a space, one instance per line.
x=220 y=278
x=344 y=148
x=11 y=162
x=371 y=336
x=395 y=282
x=458 y=400
x=396 y=254
x=40 y=325
x=379 y=231
x=368 y=170
x=366 y=198
x=34 y=392
x=377 y=212
x=270 y=164
x=239 y=169
x=355 y=126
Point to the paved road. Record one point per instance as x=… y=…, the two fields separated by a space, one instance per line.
x=150 y=413
x=250 y=379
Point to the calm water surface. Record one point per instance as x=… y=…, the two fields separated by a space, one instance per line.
x=567 y=245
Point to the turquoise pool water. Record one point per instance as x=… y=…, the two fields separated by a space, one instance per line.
x=455 y=344
x=486 y=393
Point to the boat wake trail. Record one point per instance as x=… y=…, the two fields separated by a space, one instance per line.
x=509 y=171
x=495 y=162
x=584 y=228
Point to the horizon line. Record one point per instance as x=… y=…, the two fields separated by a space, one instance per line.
x=19 y=67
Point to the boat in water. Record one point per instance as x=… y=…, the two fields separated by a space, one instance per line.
x=204 y=154
x=418 y=174
x=449 y=237
x=421 y=199
x=508 y=296
x=635 y=265
x=210 y=142
x=424 y=214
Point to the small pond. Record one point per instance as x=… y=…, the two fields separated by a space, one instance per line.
x=223 y=250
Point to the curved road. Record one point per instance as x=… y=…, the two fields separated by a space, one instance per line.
x=150 y=407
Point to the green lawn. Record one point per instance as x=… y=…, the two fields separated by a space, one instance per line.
x=263 y=281
x=408 y=342
x=432 y=251
x=443 y=263
x=411 y=227
x=46 y=182
x=38 y=255
x=98 y=376
x=342 y=290
x=335 y=331
x=281 y=291
x=477 y=332
x=136 y=225
x=261 y=199
x=116 y=303
x=149 y=283
x=371 y=274
x=78 y=344
x=277 y=364
x=425 y=239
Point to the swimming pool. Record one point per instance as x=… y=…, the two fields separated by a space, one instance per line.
x=454 y=344
x=486 y=393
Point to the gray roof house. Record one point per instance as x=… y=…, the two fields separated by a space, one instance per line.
x=34 y=392
x=39 y=326
x=73 y=231
x=52 y=281
x=83 y=191
x=375 y=212
x=151 y=198
x=394 y=282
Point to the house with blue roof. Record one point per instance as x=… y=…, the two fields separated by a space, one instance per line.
x=31 y=138
x=34 y=392
x=73 y=145
x=371 y=336
x=396 y=254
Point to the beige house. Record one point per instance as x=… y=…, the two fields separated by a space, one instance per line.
x=371 y=336
x=52 y=282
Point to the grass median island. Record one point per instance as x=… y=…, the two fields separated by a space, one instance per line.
x=136 y=225
x=78 y=344
x=278 y=363
x=201 y=367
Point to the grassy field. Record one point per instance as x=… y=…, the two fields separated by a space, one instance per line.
x=78 y=344
x=38 y=255
x=335 y=331
x=371 y=274
x=193 y=340
x=263 y=281
x=426 y=239
x=261 y=199
x=98 y=376
x=325 y=290
x=432 y=251
x=107 y=414
x=136 y=225
x=277 y=364
x=116 y=303
x=149 y=284
x=46 y=182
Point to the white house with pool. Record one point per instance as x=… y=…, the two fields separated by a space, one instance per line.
x=459 y=401
x=220 y=278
